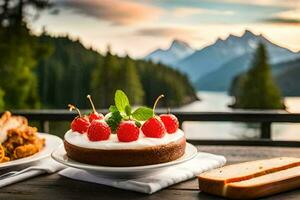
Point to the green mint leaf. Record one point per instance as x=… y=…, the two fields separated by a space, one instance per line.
x=128 y=110
x=142 y=114
x=114 y=120
x=113 y=109
x=121 y=100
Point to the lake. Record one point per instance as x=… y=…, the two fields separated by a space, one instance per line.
x=219 y=101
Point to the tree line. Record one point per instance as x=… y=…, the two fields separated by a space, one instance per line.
x=72 y=71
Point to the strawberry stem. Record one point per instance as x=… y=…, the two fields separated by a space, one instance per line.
x=71 y=107
x=156 y=101
x=91 y=101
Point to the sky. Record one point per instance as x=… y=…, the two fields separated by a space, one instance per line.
x=137 y=27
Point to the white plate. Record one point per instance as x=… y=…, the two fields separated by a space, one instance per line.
x=51 y=143
x=61 y=156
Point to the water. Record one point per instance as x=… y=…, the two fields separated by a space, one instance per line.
x=219 y=101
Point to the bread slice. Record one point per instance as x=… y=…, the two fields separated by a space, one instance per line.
x=265 y=185
x=216 y=181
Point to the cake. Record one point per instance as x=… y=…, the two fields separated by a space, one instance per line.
x=124 y=137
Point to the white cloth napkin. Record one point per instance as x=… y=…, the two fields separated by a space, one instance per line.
x=153 y=183
x=47 y=165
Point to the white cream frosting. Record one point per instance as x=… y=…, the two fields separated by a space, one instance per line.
x=82 y=140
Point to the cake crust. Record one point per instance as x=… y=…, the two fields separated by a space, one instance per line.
x=127 y=157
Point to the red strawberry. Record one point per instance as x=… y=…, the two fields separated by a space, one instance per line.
x=170 y=121
x=128 y=131
x=98 y=130
x=80 y=124
x=154 y=128
x=94 y=115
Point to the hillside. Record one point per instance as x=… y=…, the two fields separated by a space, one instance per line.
x=288 y=79
x=285 y=74
x=221 y=79
x=73 y=71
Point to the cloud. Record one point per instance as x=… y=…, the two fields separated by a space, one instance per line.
x=283 y=21
x=168 y=32
x=289 y=14
x=188 y=11
x=280 y=3
x=118 y=12
x=291 y=17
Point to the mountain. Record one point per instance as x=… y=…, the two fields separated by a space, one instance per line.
x=288 y=79
x=220 y=80
x=177 y=50
x=221 y=55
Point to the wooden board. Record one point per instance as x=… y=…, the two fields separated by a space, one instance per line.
x=56 y=187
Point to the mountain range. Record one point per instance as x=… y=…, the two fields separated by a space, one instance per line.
x=213 y=67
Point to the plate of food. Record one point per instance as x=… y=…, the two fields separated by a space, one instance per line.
x=124 y=142
x=21 y=143
x=60 y=155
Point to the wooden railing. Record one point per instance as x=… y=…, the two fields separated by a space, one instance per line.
x=264 y=118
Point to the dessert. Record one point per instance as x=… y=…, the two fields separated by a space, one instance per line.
x=17 y=138
x=125 y=136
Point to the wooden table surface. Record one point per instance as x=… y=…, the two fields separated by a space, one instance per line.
x=57 y=187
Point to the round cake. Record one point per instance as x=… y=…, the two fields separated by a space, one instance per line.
x=111 y=152
x=125 y=136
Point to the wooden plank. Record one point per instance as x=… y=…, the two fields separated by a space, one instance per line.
x=229 y=116
x=252 y=142
x=57 y=187
x=264 y=117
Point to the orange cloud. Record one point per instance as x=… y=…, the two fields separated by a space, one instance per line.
x=188 y=11
x=168 y=32
x=289 y=17
x=118 y=12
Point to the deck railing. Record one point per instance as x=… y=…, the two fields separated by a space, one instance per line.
x=264 y=118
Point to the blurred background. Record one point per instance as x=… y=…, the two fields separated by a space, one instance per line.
x=217 y=55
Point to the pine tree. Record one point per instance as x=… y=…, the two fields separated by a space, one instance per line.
x=17 y=62
x=105 y=80
x=257 y=90
x=1 y=99
x=130 y=82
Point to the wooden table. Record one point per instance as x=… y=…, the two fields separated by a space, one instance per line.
x=57 y=187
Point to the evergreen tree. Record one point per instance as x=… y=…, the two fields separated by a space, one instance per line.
x=130 y=82
x=12 y=12
x=105 y=80
x=257 y=90
x=19 y=51
x=1 y=99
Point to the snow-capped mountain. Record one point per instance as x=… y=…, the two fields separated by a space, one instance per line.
x=177 y=51
x=213 y=57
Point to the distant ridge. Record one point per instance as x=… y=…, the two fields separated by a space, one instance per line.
x=213 y=57
x=177 y=50
x=238 y=53
x=213 y=67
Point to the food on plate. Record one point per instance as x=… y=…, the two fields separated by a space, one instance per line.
x=125 y=136
x=251 y=180
x=17 y=138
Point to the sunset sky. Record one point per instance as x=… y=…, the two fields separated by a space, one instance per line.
x=138 y=27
